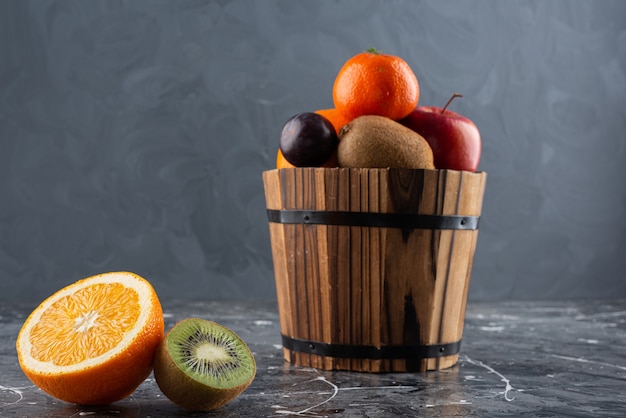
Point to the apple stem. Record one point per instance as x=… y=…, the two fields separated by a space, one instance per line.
x=454 y=96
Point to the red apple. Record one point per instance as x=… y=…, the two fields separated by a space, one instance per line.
x=454 y=139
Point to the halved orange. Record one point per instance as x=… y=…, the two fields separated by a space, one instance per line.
x=93 y=342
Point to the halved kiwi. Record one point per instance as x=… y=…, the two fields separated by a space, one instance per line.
x=201 y=365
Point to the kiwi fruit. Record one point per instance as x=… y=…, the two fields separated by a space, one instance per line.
x=201 y=365
x=379 y=142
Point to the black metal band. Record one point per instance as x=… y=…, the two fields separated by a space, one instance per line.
x=381 y=220
x=392 y=352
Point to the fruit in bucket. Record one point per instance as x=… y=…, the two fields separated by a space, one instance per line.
x=335 y=117
x=372 y=83
x=308 y=140
x=281 y=162
x=378 y=142
x=337 y=120
x=454 y=139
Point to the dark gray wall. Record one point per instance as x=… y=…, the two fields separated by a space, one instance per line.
x=133 y=134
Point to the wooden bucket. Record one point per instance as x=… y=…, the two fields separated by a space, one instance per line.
x=372 y=266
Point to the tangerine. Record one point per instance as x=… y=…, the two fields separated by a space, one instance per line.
x=93 y=342
x=372 y=83
x=281 y=161
x=336 y=118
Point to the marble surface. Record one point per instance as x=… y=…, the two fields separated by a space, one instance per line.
x=540 y=359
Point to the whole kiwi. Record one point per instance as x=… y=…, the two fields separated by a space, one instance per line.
x=201 y=365
x=378 y=142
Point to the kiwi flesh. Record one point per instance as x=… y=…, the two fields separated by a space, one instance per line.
x=378 y=142
x=201 y=365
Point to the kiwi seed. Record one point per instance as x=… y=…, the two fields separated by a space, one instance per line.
x=378 y=142
x=201 y=365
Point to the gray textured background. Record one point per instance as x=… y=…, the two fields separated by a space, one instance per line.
x=133 y=134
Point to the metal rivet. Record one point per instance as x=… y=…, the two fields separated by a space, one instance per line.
x=311 y=347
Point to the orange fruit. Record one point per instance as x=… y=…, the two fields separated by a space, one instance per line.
x=371 y=83
x=335 y=117
x=281 y=161
x=93 y=342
